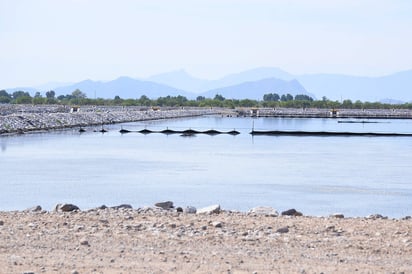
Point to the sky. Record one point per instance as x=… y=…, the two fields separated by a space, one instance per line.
x=45 y=41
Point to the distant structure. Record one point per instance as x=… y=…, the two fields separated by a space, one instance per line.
x=74 y=109
x=254 y=112
x=334 y=113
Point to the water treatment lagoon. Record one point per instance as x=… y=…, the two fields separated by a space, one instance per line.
x=356 y=176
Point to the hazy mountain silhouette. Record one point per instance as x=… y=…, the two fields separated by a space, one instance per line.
x=125 y=87
x=182 y=80
x=393 y=87
x=256 y=89
x=247 y=84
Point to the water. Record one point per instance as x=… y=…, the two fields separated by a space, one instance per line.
x=356 y=176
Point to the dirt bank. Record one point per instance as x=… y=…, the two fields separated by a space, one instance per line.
x=157 y=241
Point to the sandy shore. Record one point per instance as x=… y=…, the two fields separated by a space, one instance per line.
x=160 y=241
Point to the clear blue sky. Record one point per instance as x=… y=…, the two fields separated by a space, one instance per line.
x=72 y=40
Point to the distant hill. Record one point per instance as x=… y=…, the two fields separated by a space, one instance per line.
x=396 y=87
x=125 y=87
x=256 y=89
x=247 y=84
x=182 y=80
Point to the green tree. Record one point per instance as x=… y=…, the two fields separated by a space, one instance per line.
x=219 y=97
x=50 y=94
x=78 y=94
x=4 y=97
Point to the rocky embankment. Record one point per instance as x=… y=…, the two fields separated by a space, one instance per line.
x=163 y=239
x=329 y=113
x=20 y=118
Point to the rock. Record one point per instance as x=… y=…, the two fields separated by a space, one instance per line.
x=337 y=215
x=75 y=272
x=264 y=210
x=190 y=210
x=376 y=216
x=122 y=206
x=66 y=208
x=1 y=222
x=165 y=205
x=102 y=207
x=34 y=209
x=179 y=209
x=213 y=209
x=28 y=272
x=291 y=212
x=217 y=224
x=284 y=229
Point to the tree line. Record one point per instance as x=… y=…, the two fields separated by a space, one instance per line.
x=271 y=100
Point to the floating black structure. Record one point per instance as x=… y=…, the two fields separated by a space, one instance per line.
x=328 y=133
x=187 y=132
x=358 y=122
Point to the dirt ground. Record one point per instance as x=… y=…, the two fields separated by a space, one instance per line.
x=159 y=241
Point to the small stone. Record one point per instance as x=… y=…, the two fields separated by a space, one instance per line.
x=165 y=205
x=190 y=210
x=28 y=272
x=291 y=212
x=179 y=209
x=84 y=242
x=217 y=224
x=213 y=209
x=75 y=272
x=337 y=215
x=66 y=208
x=1 y=222
x=283 y=230
x=264 y=210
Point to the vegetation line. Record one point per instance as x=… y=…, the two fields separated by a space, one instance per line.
x=272 y=100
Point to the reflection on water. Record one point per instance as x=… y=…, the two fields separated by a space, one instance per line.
x=317 y=175
x=3 y=145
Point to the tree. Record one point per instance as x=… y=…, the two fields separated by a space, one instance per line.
x=287 y=97
x=20 y=93
x=200 y=98
x=78 y=94
x=347 y=103
x=271 y=97
x=4 y=97
x=303 y=97
x=50 y=94
x=219 y=97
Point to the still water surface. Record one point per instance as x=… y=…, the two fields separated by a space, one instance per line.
x=357 y=176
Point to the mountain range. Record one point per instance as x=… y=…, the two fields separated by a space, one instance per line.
x=251 y=84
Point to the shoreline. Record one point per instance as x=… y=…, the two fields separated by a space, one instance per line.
x=257 y=210
x=32 y=119
x=15 y=119
x=124 y=240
